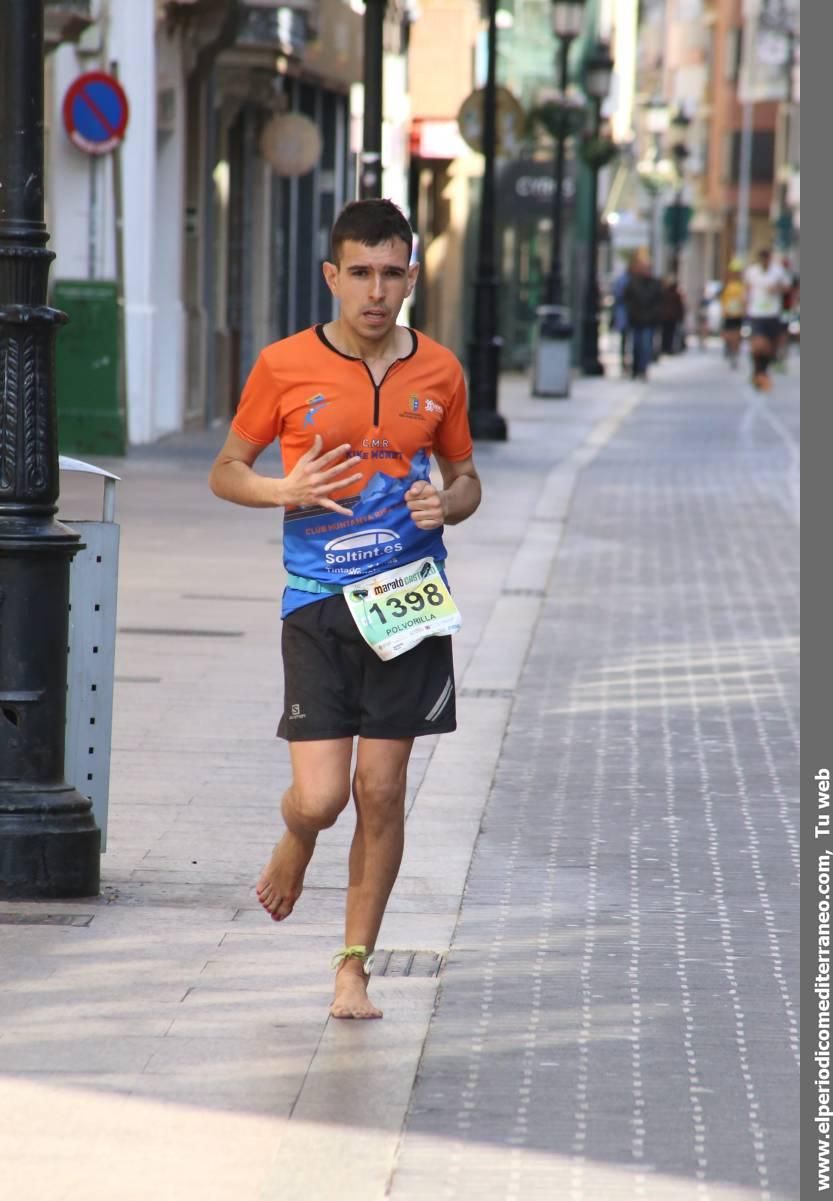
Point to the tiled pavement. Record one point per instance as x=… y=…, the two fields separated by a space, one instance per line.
x=618 y=1009
x=616 y=1016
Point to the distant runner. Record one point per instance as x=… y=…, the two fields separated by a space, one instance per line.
x=765 y=283
x=733 y=307
x=359 y=405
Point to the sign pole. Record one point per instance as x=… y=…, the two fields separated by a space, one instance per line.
x=370 y=166
x=92 y=220
x=118 y=205
x=484 y=349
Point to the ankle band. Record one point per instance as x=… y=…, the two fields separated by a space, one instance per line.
x=357 y=952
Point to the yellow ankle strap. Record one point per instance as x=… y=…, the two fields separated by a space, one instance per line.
x=357 y=952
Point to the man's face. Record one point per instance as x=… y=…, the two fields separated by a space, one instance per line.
x=764 y=258
x=371 y=282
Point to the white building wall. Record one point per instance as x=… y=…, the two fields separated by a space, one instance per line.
x=167 y=242
x=395 y=129
x=132 y=47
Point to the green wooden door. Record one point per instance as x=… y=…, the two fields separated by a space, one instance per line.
x=90 y=417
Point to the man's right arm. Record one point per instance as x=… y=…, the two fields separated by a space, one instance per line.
x=233 y=478
x=310 y=481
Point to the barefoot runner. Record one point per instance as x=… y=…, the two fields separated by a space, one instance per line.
x=358 y=405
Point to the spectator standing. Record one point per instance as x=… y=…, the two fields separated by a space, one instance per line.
x=620 y=318
x=643 y=298
x=672 y=314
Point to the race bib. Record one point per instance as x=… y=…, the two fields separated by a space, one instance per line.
x=396 y=609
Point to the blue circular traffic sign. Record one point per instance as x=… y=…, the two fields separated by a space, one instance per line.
x=95 y=112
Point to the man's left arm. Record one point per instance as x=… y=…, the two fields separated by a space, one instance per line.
x=459 y=497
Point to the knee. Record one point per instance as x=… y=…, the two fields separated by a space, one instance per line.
x=379 y=799
x=313 y=809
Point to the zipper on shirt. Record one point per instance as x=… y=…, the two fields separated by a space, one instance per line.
x=377 y=389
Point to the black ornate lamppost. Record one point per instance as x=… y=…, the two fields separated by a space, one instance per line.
x=567 y=24
x=484 y=349
x=655 y=172
x=677 y=213
x=49 y=842
x=598 y=71
x=370 y=164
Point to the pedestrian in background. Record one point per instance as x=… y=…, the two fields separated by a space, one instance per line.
x=643 y=298
x=765 y=282
x=672 y=315
x=733 y=308
x=620 y=318
x=358 y=404
x=789 y=299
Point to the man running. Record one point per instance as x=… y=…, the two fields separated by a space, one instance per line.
x=358 y=404
x=765 y=282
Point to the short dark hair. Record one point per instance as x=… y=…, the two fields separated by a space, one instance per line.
x=370 y=222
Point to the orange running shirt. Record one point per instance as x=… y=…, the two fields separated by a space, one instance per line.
x=302 y=386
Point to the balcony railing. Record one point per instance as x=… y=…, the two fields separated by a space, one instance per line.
x=65 y=21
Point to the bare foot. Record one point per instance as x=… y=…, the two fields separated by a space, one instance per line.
x=281 y=881
x=351 y=999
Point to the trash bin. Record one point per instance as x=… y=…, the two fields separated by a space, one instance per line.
x=553 y=351
x=93 y=582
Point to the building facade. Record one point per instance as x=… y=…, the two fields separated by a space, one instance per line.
x=236 y=158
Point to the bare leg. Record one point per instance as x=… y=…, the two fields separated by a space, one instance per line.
x=375 y=856
x=319 y=791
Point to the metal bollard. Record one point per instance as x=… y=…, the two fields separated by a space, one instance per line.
x=93 y=583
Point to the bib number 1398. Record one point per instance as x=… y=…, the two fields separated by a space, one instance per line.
x=408 y=602
x=396 y=609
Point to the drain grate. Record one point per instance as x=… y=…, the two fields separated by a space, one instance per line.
x=504 y=694
x=406 y=963
x=138 y=679
x=523 y=592
x=45 y=919
x=171 y=633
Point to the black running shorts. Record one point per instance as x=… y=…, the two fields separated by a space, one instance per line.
x=335 y=686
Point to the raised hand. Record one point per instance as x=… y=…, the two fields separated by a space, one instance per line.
x=426 y=505
x=315 y=476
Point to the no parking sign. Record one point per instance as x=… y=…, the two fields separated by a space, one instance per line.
x=95 y=112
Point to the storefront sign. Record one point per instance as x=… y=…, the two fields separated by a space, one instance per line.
x=526 y=188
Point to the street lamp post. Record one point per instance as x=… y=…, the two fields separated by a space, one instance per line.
x=49 y=842
x=598 y=71
x=654 y=174
x=484 y=349
x=567 y=24
x=677 y=225
x=370 y=165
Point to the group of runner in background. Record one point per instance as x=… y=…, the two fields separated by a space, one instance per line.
x=648 y=313
x=764 y=296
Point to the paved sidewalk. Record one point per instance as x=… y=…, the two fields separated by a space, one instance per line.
x=615 y=1014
